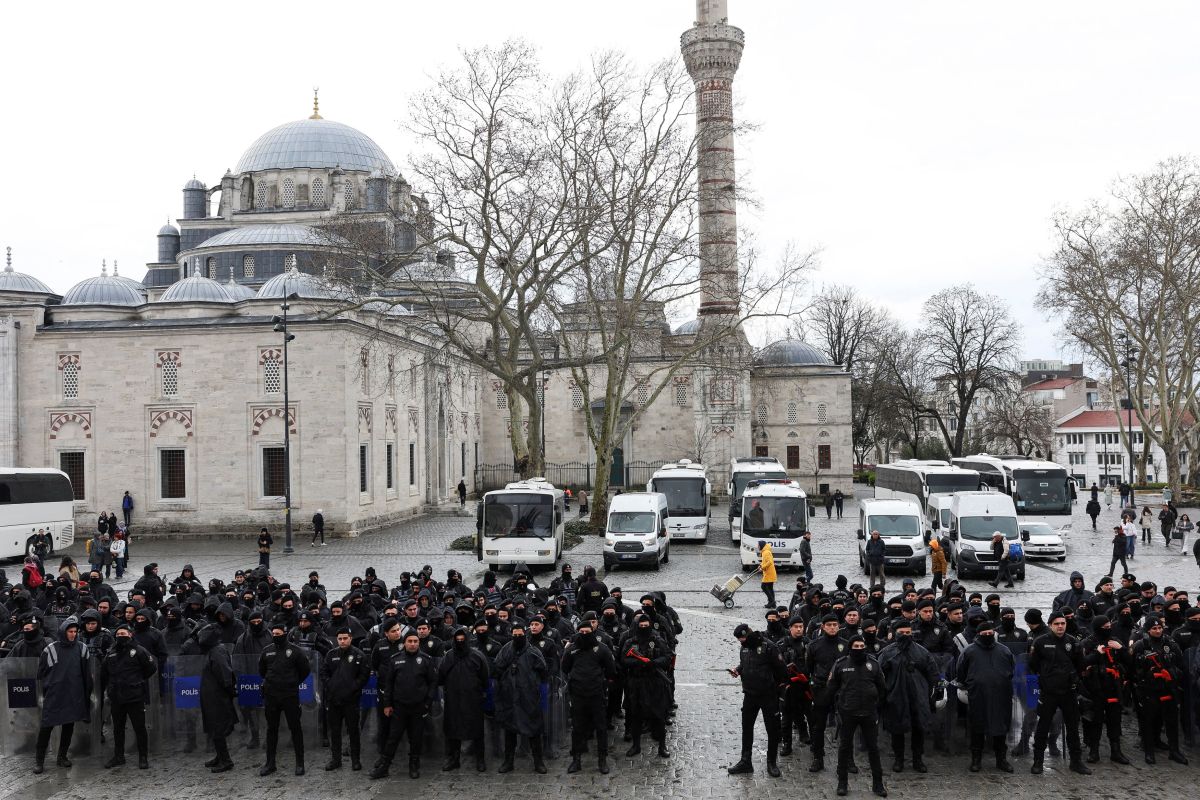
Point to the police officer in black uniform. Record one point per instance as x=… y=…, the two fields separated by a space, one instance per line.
x=406 y=692
x=1157 y=679
x=344 y=673
x=283 y=668
x=798 y=696
x=856 y=687
x=1057 y=659
x=125 y=670
x=762 y=672
x=589 y=666
x=822 y=654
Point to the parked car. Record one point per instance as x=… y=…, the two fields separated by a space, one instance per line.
x=1042 y=540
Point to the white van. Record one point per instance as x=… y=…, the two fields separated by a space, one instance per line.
x=636 y=532
x=974 y=518
x=902 y=528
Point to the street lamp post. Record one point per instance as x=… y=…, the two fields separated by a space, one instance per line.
x=281 y=326
x=1130 y=351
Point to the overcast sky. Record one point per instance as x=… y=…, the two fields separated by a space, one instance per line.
x=920 y=144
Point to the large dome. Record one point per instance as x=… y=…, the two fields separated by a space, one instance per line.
x=262 y=235
x=315 y=143
x=195 y=289
x=306 y=286
x=104 y=290
x=792 y=353
x=13 y=281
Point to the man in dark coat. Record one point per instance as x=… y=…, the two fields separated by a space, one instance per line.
x=407 y=685
x=645 y=659
x=218 y=688
x=985 y=670
x=1057 y=660
x=520 y=673
x=283 y=668
x=762 y=672
x=344 y=672
x=66 y=677
x=151 y=586
x=856 y=688
x=463 y=674
x=125 y=671
x=589 y=667
x=910 y=673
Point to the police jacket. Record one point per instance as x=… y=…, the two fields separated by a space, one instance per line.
x=858 y=689
x=823 y=653
x=283 y=669
x=761 y=666
x=344 y=673
x=408 y=679
x=589 y=666
x=1105 y=671
x=1057 y=661
x=124 y=672
x=1157 y=668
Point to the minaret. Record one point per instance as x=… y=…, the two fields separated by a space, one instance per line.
x=712 y=50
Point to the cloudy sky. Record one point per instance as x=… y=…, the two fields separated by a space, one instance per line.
x=919 y=144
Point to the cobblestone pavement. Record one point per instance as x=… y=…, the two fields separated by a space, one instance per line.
x=704 y=738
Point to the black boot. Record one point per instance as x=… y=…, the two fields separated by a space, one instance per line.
x=1116 y=755
x=65 y=762
x=267 y=769
x=976 y=761
x=1077 y=766
x=1093 y=756
x=116 y=761
x=334 y=763
x=535 y=748
x=1002 y=763
x=818 y=764
x=898 y=763
x=380 y=770
x=843 y=787
x=212 y=762
x=574 y=766
x=877 y=787
x=510 y=750
x=634 y=748
x=742 y=767
x=663 y=752
x=1036 y=767
x=414 y=767
x=786 y=748
x=1178 y=757
x=918 y=764
x=773 y=767
x=453 y=759
x=602 y=764
x=299 y=768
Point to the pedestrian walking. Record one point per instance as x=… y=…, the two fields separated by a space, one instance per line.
x=1108 y=496
x=828 y=506
x=1093 y=510
x=762 y=673
x=1002 y=554
x=125 y=673
x=1166 y=523
x=1130 y=530
x=767 y=565
x=345 y=670
x=1123 y=490
x=1095 y=490
x=875 y=553
x=127 y=509
x=64 y=671
x=583 y=502
x=283 y=667
x=1147 y=522
x=857 y=690
x=938 y=565
x=462 y=492
x=463 y=675
x=839 y=500
x=1183 y=529
x=806 y=555
x=318 y=523
x=265 y=541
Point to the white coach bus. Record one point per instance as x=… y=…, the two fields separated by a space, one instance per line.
x=33 y=500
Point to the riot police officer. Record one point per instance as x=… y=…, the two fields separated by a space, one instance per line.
x=283 y=668
x=762 y=672
x=1057 y=660
x=1157 y=673
x=124 y=672
x=822 y=654
x=344 y=673
x=857 y=689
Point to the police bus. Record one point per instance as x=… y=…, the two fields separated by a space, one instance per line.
x=523 y=523
x=1036 y=487
x=688 y=491
x=33 y=500
x=774 y=511
x=920 y=480
x=741 y=472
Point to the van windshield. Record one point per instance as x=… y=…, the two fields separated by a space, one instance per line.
x=981 y=528
x=894 y=524
x=777 y=517
x=631 y=522
x=518 y=515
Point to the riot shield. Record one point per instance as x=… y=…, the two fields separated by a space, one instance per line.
x=554 y=716
x=181 y=728
x=249 y=699
x=312 y=715
x=20 y=711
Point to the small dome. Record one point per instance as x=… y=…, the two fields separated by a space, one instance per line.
x=237 y=291
x=309 y=287
x=194 y=184
x=168 y=230
x=691 y=326
x=196 y=289
x=314 y=143
x=792 y=353
x=137 y=286
x=104 y=290
x=265 y=235
x=13 y=281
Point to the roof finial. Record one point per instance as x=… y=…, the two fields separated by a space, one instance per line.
x=196 y=269
x=115 y=273
x=316 y=108
x=104 y=268
x=8 y=260
x=231 y=278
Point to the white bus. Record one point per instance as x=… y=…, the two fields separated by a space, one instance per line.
x=741 y=472
x=774 y=511
x=688 y=491
x=1036 y=487
x=523 y=523
x=920 y=480
x=33 y=500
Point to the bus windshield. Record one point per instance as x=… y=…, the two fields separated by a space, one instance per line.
x=685 y=496
x=518 y=515
x=741 y=479
x=631 y=522
x=777 y=517
x=1040 y=487
x=981 y=528
x=948 y=483
x=894 y=524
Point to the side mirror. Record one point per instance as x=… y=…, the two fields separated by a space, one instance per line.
x=860 y=533
x=953 y=535
x=1024 y=536
x=928 y=536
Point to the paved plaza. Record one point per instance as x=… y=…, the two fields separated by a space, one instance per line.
x=705 y=736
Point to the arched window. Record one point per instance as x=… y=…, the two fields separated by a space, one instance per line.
x=260 y=196
x=289 y=261
x=349 y=194
x=289 y=193
x=318 y=192
x=247 y=266
x=822 y=413
x=793 y=414
x=210 y=267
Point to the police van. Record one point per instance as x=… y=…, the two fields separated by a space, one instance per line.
x=636 y=532
x=974 y=518
x=773 y=511
x=902 y=529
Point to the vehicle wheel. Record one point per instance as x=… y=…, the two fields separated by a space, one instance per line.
x=747 y=567
x=494 y=567
x=1062 y=558
x=729 y=603
x=657 y=565
x=29 y=547
x=922 y=571
x=1021 y=574
x=667 y=557
x=608 y=565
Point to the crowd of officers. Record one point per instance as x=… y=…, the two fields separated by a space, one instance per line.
x=487 y=653
x=852 y=655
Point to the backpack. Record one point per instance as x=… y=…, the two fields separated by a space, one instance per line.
x=33 y=576
x=1015 y=551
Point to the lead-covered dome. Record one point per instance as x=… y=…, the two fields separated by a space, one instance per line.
x=792 y=353
x=195 y=289
x=263 y=235
x=103 y=290
x=314 y=143
x=308 y=287
x=13 y=281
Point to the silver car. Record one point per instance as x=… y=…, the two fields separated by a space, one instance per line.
x=1042 y=540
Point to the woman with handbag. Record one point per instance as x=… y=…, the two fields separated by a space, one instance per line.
x=264 y=548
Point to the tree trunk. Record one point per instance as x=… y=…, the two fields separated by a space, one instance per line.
x=598 y=514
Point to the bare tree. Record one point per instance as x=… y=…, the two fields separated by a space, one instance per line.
x=1013 y=419
x=1123 y=282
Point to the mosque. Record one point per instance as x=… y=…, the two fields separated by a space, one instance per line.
x=172 y=387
